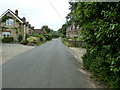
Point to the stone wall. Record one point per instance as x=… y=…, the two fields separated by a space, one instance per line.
x=17 y=28
x=72 y=34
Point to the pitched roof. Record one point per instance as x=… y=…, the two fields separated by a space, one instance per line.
x=38 y=30
x=9 y=11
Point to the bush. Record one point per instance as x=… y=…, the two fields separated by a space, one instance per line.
x=72 y=42
x=65 y=41
x=27 y=35
x=24 y=42
x=7 y=39
x=35 y=35
x=48 y=37
x=44 y=38
x=101 y=36
x=41 y=37
x=19 y=38
x=55 y=35
x=32 y=39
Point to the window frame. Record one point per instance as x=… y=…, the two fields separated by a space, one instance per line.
x=9 y=22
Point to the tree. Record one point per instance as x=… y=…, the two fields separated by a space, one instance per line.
x=63 y=30
x=101 y=34
x=46 y=28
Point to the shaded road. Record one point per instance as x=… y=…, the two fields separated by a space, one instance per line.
x=50 y=65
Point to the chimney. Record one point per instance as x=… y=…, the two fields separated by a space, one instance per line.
x=32 y=27
x=27 y=23
x=24 y=19
x=16 y=12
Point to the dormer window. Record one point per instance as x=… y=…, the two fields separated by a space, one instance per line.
x=10 y=22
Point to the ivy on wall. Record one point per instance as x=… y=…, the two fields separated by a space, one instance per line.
x=18 y=21
x=6 y=18
x=4 y=28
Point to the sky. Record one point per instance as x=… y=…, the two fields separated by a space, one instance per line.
x=39 y=12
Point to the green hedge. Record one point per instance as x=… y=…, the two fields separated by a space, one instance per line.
x=55 y=35
x=24 y=42
x=101 y=35
x=7 y=39
x=102 y=39
x=48 y=37
x=41 y=37
x=65 y=41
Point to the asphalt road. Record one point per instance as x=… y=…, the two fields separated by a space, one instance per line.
x=50 y=65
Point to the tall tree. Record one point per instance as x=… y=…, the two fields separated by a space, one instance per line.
x=101 y=34
x=46 y=28
x=63 y=30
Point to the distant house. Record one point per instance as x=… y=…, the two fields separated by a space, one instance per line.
x=38 y=31
x=72 y=31
x=12 y=25
x=31 y=29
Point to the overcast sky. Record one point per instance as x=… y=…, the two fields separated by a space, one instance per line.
x=38 y=12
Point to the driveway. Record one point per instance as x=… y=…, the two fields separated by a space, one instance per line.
x=8 y=51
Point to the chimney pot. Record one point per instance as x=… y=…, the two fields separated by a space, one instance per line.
x=32 y=27
x=16 y=12
x=24 y=19
x=27 y=23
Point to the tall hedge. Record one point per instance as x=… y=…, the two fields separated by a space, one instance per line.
x=101 y=34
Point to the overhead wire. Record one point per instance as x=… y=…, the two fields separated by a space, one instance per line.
x=56 y=11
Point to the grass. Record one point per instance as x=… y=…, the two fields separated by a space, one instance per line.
x=65 y=42
x=68 y=44
x=0 y=39
x=41 y=42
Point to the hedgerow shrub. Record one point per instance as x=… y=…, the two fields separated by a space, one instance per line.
x=32 y=39
x=7 y=39
x=41 y=37
x=103 y=51
x=103 y=44
x=20 y=38
x=55 y=35
x=24 y=42
x=48 y=37
x=101 y=35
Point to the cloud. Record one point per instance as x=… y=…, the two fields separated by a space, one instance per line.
x=38 y=12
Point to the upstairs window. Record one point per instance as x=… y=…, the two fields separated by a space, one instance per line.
x=10 y=22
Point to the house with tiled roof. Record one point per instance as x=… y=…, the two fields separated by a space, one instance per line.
x=12 y=25
x=72 y=31
x=39 y=31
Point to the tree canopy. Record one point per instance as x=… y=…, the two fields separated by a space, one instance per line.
x=101 y=34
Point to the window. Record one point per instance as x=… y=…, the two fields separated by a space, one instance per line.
x=9 y=22
x=6 y=34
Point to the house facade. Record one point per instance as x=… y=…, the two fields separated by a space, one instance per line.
x=39 y=31
x=72 y=31
x=12 y=25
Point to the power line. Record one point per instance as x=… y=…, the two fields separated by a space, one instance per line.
x=56 y=11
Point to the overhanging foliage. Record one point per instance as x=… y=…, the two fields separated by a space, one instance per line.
x=101 y=33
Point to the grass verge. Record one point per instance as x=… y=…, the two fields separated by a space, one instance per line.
x=40 y=43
